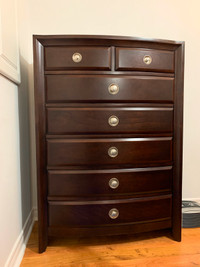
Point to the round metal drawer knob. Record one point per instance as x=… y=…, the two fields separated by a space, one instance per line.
x=113 y=183
x=113 y=213
x=113 y=152
x=147 y=60
x=113 y=120
x=113 y=89
x=77 y=57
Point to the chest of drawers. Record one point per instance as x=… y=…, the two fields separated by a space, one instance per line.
x=108 y=135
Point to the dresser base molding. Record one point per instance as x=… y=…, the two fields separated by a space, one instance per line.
x=126 y=229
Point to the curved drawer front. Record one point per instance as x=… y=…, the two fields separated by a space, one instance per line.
x=100 y=213
x=91 y=88
x=103 y=182
x=63 y=152
x=77 y=57
x=109 y=120
x=144 y=59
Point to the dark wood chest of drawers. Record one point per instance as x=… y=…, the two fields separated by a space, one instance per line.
x=108 y=135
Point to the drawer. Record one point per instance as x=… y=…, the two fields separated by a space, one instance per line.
x=112 y=88
x=133 y=151
x=144 y=59
x=77 y=58
x=109 y=120
x=106 y=182
x=109 y=212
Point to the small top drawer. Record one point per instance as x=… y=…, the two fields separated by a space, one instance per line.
x=144 y=59
x=77 y=58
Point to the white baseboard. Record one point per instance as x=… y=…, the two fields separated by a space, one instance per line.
x=19 y=247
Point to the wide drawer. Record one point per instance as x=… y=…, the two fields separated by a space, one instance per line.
x=144 y=59
x=109 y=182
x=90 y=88
x=134 y=151
x=109 y=120
x=77 y=58
x=109 y=212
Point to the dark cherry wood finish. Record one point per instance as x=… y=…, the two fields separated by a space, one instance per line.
x=131 y=151
x=132 y=59
x=96 y=182
x=97 y=212
x=111 y=229
x=40 y=128
x=73 y=105
x=96 y=120
x=92 y=58
x=178 y=142
x=94 y=88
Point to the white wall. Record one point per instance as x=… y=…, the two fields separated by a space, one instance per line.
x=173 y=19
x=10 y=186
x=16 y=216
x=15 y=194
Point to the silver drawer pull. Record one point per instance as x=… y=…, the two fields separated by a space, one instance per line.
x=77 y=57
x=113 y=213
x=113 y=89
x=113 y=183
x=147 y=60
x=113 y=152
x=113 y=121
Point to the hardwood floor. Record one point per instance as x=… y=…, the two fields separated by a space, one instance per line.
x=139 y=250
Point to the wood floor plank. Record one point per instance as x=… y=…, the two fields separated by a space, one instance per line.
x=151 y=249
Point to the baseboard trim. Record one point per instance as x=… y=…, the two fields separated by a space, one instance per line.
x=17 y=252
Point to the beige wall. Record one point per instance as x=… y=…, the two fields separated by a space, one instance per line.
x=15 y=179
x=10 y=180
x=172 y=19
x=15 y=190
x=10 y=187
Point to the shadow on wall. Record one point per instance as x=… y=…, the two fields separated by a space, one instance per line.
x=24 y=131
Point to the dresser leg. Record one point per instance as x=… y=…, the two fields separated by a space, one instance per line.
x=42 y=238
x=176 y=233
x=42 y=246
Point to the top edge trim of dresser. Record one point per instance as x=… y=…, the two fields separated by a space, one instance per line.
x=43 y=38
